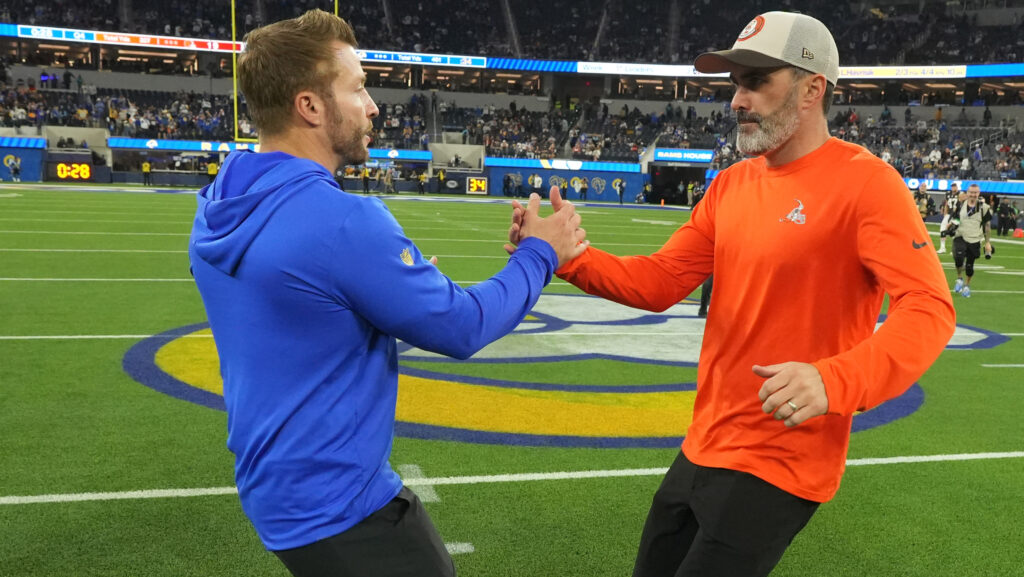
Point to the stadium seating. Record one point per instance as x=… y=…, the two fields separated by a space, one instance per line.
x=611 y=30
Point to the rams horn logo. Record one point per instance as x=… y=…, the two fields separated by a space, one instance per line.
x=597 y=184
x=406 y=257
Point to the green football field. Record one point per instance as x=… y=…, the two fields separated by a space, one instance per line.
x=537 y=458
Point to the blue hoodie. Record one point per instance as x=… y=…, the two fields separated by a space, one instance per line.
x=306 y=288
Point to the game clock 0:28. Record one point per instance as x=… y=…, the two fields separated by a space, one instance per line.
x=476 y=185
x=71 y=171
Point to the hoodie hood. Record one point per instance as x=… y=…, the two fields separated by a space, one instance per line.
x=233 y=209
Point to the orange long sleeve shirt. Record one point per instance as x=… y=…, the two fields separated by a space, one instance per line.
x=803 y=255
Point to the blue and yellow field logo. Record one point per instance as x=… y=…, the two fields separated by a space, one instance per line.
x=436 y=404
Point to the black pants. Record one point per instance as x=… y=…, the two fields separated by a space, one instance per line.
x=965 y=252
x=705 y=296
x=399 y=540
x=707 y=522
x=1005 y=225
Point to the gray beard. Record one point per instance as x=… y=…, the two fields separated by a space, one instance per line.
x=772 y=131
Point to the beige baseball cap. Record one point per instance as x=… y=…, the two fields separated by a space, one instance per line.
x=778 y=39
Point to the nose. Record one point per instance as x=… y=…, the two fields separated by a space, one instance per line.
x=740 y=100
x=371 y=107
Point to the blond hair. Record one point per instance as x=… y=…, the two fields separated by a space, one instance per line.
x=285 y=58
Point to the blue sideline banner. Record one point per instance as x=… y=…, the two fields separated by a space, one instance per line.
x=601 y=184
x=1011 y=187
x=558 y=164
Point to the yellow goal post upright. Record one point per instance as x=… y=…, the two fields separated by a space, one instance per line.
x=234 y=69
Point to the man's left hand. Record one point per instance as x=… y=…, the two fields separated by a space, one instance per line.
x=794 y=392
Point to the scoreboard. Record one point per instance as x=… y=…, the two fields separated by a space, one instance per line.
x=69 y=171
x=67 y=166
x=476 y=185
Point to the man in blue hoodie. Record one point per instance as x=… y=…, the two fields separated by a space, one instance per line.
x=307 y=289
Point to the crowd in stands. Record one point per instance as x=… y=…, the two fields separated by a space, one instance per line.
x=921 y=144
x=557 y=29
x=635 y=32
x=918 y=147
x=94 y=15
x=937 y=148
x=131 y=113
x=512 y=132
x=613 y=30
x=612 y=137
x=402 y=125
x=464 y=27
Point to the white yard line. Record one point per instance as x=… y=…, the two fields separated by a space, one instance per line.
x=425 y=492
x=13 y=279
x=975 y=292
x=82 y=232
x=474 y=479
x=36 y=279
x=1003 y=366
x=77 y=250
x=459 y=548
x=94 y=337
x=123 y=220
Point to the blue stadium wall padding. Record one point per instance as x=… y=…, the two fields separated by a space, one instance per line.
x=31 y=163
x=601 y=190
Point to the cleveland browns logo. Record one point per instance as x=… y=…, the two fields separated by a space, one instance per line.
x=751 y=29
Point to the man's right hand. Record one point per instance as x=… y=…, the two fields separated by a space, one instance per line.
x=561 y=230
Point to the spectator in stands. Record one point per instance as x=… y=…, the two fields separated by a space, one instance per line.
x=310 y=386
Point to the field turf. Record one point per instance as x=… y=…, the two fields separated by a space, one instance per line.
x=88 y=274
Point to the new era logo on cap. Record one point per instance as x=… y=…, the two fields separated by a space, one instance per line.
x=776 y=39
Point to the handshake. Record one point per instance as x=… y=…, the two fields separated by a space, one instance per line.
x=561 y=230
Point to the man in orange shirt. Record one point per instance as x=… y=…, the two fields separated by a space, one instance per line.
x=804 y=240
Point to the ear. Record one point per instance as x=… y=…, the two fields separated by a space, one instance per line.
x=309 y=107
x=814 y=91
